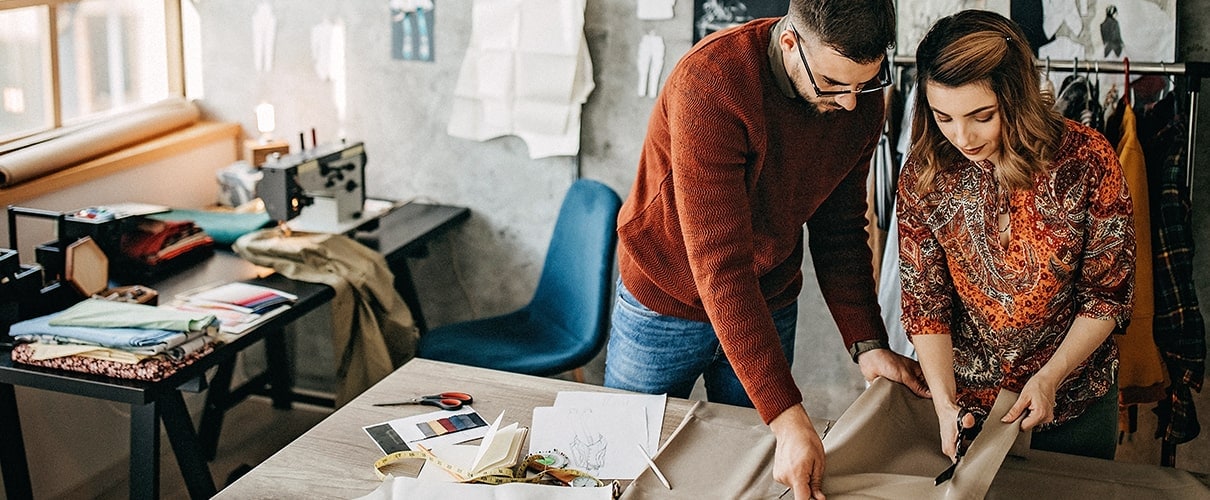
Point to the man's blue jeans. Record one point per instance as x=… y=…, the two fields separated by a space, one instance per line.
x=652 y=353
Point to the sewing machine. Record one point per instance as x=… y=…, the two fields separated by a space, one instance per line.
x=321 y=190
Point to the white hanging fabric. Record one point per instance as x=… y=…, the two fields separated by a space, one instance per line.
x=527 y=72
x=264 y=33
x=650 y=64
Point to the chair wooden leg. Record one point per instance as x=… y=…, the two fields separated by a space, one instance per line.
x=578 y=374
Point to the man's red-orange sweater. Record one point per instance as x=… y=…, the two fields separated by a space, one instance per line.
x=731 y=169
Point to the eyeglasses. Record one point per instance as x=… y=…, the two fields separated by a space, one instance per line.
x=882 y=81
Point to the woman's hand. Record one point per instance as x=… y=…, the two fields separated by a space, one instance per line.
x=1038 y=397
x=947 y=417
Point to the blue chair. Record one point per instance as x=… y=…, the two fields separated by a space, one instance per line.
x=566 y=322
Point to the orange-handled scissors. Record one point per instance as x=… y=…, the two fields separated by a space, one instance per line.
x=445 y=400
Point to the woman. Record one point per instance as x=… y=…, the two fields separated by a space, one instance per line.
x=1016 y=243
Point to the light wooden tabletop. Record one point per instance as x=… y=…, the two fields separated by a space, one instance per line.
x=335 y=459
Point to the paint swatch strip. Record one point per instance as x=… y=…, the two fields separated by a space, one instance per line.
x=447 y=425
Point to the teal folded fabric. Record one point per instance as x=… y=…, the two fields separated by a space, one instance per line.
x=101 y=313
x=224 y=227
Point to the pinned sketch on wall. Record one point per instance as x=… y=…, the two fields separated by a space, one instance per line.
x=655 y=10
x=1143 y=30
x=264 y=31
x=412 y=30
x=527 y=72
x=914 y=17
x=714 y=15
x=650 y=64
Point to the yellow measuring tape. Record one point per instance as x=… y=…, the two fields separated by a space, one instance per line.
x=540 y=463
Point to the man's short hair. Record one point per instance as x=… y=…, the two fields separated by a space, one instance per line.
x=861 y=30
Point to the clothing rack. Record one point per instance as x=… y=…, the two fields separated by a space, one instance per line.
x=1193 y=72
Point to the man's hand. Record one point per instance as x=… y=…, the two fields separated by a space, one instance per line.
x=798 y=458
x=887 y=364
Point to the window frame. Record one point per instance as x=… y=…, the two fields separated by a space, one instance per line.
x=174 y=57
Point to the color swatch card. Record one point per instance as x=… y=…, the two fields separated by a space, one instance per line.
x=433 y=428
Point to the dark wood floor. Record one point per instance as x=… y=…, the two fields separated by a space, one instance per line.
x=252 y=431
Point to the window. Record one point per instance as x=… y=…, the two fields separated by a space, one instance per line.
x=70 y=62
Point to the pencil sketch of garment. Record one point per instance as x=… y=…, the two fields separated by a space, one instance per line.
x=588 y=446
x=264 y=30
x=1111 y=32
x=651 y=64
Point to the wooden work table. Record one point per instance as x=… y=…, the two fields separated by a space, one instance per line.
x=335 y=459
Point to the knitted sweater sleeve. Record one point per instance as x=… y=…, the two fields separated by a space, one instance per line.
x=710 y=139
x=840 y=251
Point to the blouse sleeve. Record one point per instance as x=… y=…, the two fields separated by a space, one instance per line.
x=928 y=289
x=1105 y=285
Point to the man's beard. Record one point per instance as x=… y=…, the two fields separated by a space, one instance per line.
x=822 y=107
x=818 y=106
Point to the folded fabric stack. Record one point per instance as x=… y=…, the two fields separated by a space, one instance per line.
x=157 y=242
x=117 y=339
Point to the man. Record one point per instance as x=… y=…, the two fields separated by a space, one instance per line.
x=748 y=142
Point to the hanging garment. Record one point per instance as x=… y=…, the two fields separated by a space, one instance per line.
x=527 y=72
x=651 y=65
x=883 y=170
x=890 y=293
x=372 y=328
x=1141 y=378
x=1180 y=332
x=1113 y=118
x=1077 y=100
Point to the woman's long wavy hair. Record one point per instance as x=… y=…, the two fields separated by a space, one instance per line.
x=984 y=48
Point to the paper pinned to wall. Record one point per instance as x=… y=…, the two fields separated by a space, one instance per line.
x=264 y=35
x=412 y=29
x=655 y=10
x=527 y=72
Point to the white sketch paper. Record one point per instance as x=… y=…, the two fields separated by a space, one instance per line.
x=651 y=405
x=498 y=93
x=598 y=440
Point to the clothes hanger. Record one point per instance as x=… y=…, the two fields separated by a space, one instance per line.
x=1047 y=86
x=1127 y=92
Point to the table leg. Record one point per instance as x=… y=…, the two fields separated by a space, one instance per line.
x=217 y=403
x=187 y=447
x=12 y=448
x=281 y=378
x=144 y=451
x=407 y=290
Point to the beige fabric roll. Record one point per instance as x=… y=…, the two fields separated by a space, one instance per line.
x=887 y=445
x=95 y=140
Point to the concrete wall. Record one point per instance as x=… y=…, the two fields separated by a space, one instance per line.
x=490 y=264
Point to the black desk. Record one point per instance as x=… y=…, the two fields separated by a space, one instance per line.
x=399 y=234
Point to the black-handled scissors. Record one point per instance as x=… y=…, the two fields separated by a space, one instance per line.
x=963 y=440
x=445 y=400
